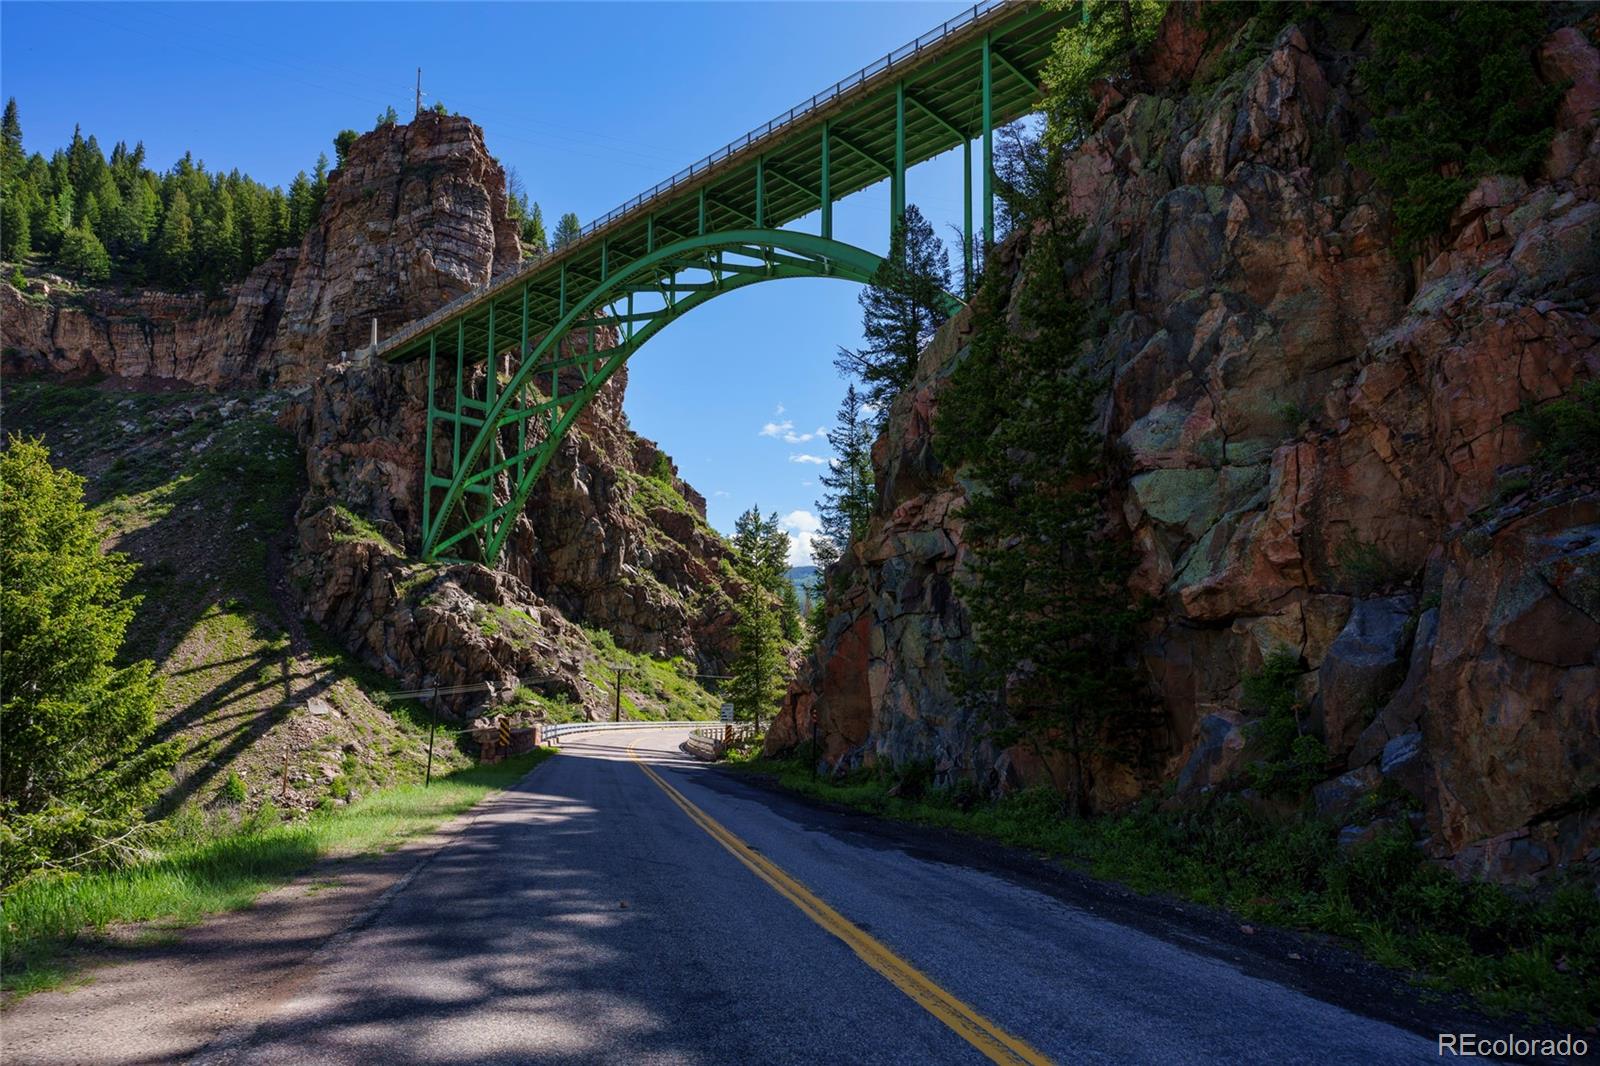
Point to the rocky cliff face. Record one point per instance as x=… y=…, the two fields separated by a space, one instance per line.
x=1320 y=456
x=412 y=220
x=415 y=217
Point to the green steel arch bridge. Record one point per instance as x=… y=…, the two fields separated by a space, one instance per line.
x=713 y=227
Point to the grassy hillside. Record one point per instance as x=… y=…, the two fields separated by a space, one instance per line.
x=199 y=489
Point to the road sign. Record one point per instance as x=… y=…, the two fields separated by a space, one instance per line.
x=727 y=712
x=505 y=734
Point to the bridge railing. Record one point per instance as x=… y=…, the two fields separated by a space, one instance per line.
x=566 y=729
x=847 y=84
x=799 y=111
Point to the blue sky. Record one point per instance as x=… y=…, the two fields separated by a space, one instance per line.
x=591 y=103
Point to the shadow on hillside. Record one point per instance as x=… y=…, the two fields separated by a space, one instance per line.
x=214 y=547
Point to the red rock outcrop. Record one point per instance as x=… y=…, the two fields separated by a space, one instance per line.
x=415 y=217
x=1312 y=429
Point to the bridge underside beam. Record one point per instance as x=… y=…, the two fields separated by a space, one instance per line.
x=507 y=420
x=929 y=102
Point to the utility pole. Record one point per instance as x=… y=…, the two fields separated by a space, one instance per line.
x=419 y=92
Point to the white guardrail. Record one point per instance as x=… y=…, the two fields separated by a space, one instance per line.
x=556 y=732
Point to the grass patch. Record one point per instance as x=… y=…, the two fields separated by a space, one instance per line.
x=646 y=493
x=1511 y=954
x=201 y=873
x=1363 y=569
x=652 y=689
x=1566 y=432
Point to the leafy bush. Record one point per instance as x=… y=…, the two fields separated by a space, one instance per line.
x=661 y=470
x=1289 y=760
x=1456 y=97
x=1364 y=569
x=1566 y=432
x=234 y=789
x=1100 y=44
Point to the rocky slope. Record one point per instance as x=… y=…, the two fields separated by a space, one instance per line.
x=415 y=217
x=1320 y=456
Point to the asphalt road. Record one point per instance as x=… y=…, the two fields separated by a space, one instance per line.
x=592 y=916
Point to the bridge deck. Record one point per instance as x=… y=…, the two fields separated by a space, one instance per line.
x=940 y=73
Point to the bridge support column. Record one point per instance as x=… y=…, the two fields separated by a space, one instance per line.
x=966 y=219
x=988 y=144
x=427 y=438
x=897 y=198
x=827 y=190
x=761 y=192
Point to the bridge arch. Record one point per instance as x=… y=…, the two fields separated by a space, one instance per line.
x=638 y=301
x=710 y=228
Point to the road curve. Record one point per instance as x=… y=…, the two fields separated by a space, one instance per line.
x=588 y=916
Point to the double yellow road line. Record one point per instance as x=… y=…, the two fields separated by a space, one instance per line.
x=994 y=1042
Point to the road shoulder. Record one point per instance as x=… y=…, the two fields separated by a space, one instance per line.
x=1313 y=964
x=215 y=980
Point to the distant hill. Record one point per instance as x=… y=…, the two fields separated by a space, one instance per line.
x=801 y=577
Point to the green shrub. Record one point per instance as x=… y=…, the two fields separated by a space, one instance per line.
x=1288 y=760
x=234 y=789
x=1566 y=432
x=661 y=469
x=1456 y=96
x=1363 y=568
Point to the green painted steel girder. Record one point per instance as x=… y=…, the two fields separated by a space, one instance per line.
x=476 y=467
x=719 y=223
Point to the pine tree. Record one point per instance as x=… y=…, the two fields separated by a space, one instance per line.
x=174 y=245
x=387 y=117
x=82 y=254
x=533 y=234
x=14 y=227
x=79 y=769
x=11 y=155
x=846 y=505
x=901 y=308
x=758 y=668
x=1054 y=618
x=319 y=187
x=761 y=550
x=790 y=620
x=301 y=204
x=341 y=145
x=568 y=229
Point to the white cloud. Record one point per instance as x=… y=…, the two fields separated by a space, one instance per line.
x=801 y=526
x=868 y=410
x=778 y=410
x=784 y=431
x=720 y=492
x=802 y=457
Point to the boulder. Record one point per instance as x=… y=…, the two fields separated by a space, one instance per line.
x=1360 y=669
x=1337 y=797
x=1217 y=751
x=1405 y=707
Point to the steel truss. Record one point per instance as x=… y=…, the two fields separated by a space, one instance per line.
x=504 y=437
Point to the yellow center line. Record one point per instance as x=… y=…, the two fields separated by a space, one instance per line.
x=983 y=1034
